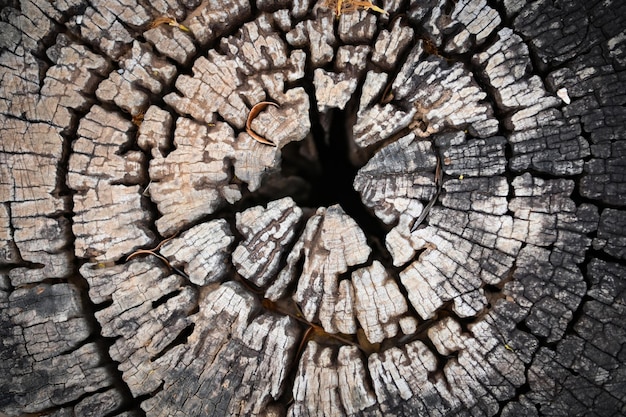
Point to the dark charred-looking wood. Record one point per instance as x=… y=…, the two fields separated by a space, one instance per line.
x=438 y=230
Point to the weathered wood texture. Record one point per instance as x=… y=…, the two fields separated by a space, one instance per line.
x=158 y=260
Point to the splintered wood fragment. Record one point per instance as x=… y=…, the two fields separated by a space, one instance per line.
x=267 y=233
x=379 y=302
x=337 y=244
x=438 y=182
x=201 y=251
x=326 y=377
x=246 y=359
x=256 y=109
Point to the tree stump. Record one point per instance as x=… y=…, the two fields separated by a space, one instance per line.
x=426 y=215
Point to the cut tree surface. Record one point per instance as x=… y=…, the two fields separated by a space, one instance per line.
x=438 y=230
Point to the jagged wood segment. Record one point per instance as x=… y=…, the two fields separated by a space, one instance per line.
x=106 y=25
x=338 y=244
x=335 y=89
x=268 y=233
x=398 y=178
x=391 y=44
x=23 y=32
x=196 y=178
x=154 y=132
x=243 y=362
x=470 y=22
x=485 y=372
x=31 y=151
x=400 y=378
x=172 y=42
x=201 y=251
x=139 y=75
x=318 y=35
x=463 y=252
x=427 y=95
x=592 y=359
x=330 y=383
x=443 y=95
x=255 y=68
x=357 y=27
x=378 y=302
x=110 y=220
x=212 y=19
x=75 y=75
x=151 y=310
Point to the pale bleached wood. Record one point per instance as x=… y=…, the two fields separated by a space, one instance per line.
x=217 y=86
x=172 y=42
x=379 y=304
x=400 y=380
x=141 y=71
x=340 y=387
x=211 y=20
x=337 y=244
x=193 y=180
x=110 y=220
x=201 y=251
x=390 y=44
x=318 y=35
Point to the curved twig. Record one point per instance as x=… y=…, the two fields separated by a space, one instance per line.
x=256 y=109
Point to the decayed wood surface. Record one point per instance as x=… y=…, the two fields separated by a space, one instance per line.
x=157 y=260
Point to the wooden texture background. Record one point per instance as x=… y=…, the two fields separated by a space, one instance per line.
x=439 y=230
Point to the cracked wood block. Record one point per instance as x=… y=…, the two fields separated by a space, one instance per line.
x=37 y=232
x=333 y=242
x=268 y=234
x=340 y=386
x=379 y=304
x=110 y=219
x=398 y=176
x=139 y=75
x=245 y=355
x=438 y=95
x=437 y=232
x=196 y=178
x=201 y=251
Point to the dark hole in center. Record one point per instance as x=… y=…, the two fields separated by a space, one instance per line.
x=331 y=178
